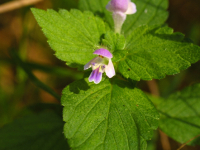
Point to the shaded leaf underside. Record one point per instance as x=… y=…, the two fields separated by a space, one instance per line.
x=180 y=115
x=43 y=131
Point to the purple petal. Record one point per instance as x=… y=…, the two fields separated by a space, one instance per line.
x=110 y=70
x=109 y=7
x=119 y=5
x=93 y=75
x=103 y=52
x=98 y=77
x=131 y=8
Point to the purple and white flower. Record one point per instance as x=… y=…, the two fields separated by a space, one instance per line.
x=100 y=64
x=120 y=9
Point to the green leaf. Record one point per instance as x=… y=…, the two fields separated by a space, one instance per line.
x=155 y=99
x=180 y=115
x=114 y=41
x=112 y=115
x=42 y=131
x=154 y=53
x=73 y=35
x=116 y=44
x=149 y=12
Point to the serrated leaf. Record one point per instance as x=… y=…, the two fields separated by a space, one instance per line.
x=114 y=41
x=34 y=132
x=154 y=53
x=180 y=115
x=149 y=12
x=73 y=35
x=112 y=115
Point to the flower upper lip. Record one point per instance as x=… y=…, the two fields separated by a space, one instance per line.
x=103 y=52
x=123 y=6
x=119 y=5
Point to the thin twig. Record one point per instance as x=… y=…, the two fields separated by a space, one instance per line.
x=164 y=141
x=188 y=142
x=153 y=87
x=16 y=4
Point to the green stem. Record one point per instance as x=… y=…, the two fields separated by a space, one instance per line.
x=56 y=70
x=32 y=77
x=60 y=71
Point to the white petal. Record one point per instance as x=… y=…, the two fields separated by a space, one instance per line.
x=131 y=8
x=88 y=65
x=109 y=7
x=110 y=70
x=119 y=19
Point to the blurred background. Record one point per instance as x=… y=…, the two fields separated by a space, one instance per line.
x=28 y=64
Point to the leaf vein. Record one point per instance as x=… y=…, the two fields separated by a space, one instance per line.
x=142 y=11
x=77 y=30
x=108 y=114
x=90 y=134
x=141 y=66
x=155 y=12
x=123 y=128
x=89 y=113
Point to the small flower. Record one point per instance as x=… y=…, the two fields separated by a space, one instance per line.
x=120 y=9
x=100 y=64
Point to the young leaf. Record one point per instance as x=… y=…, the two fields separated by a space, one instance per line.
x=116 y=44
x=154 y=53
x=114 y=41
x=112 y=115
x=73 y=35
x=180 y=115
x=149 y=12
x=43 y=131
